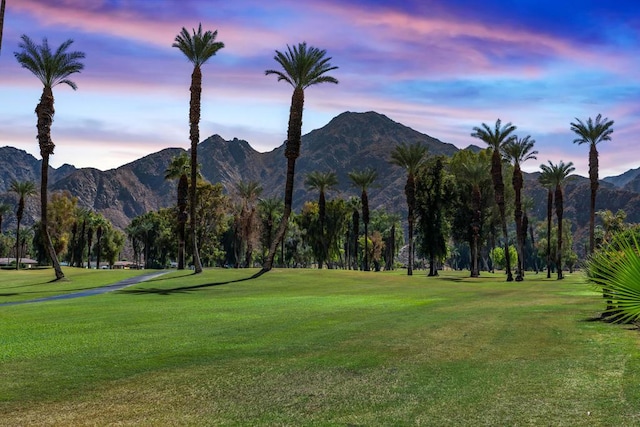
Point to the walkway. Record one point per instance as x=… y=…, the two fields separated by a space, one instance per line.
x=96 y=291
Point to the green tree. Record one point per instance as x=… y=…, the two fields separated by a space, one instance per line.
x=5 y=208
x=496 y=138
x=558 y=174
x=612 y=223
x=546 y=180
x=302 y=66
x=247 y=224
x=432 y=205
x=592 y=133
x=354 y=204
x=180 y=168
x=519 y=150
x=363 y=180
x=23 y=189
x=322 y=181
x=211 y=210
x=472 y=170
x=270 y=211
x=51 y=68
x=198 y=48
x=62 y=208
x=410 y=158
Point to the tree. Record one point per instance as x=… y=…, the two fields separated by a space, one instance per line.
x=363 y=180
x=322 y=181
x=546 y=180
x=179 y=168
x=592 y=133
x=23 y=189
x=496 y=138
x=354 y=204
x=302 y=66
x=247 y=226
x=270 y=210
x=612 y=223
x=198 y=48
x=557 y=175
x=432 y=204
x=62 y=208
x=101 y=224
x=4 y=211
x=519 y=150
x=51 y=68
x=474 y=171
x=410 y=158
x=2 y=7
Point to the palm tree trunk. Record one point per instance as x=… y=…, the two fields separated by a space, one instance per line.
x=98 y=238
x=410 y=192
x=355 y=218
x=194 y=136
x=498 y=185
x=517 y=186
x=291 y=152
x=593 y=177
x=559 y=212
x=2 y=7
x=18 y=243
x=45 y=112
x=549 y=213
x=365 y=220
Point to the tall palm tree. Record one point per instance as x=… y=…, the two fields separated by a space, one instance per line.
x=354 y=204
x=496 y=138
x=198 y=48
x=322 y=181
x=475 y=170
x=2 y=6
x=363 y=180
x=180 y=168
x=302 y=66
x=51 y=68
x=248 y=191
x=546 y=180
x=519 y=150
x=23 y=189
x=592 y=133
x=410 y=158
x=4 y=210
x=558 y=174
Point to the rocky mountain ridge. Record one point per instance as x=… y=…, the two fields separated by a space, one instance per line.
x=349 y=141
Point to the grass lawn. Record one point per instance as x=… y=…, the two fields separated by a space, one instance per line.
x=309 y=347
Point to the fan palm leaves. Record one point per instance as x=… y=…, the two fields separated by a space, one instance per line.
x=198 y=47
x=496 y=139
x=302 y=66
x=557 y=174
x=51 y=67
x=592 y=132
x=410 y=158
x=519 y=150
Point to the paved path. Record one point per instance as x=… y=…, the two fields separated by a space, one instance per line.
x=96 y=291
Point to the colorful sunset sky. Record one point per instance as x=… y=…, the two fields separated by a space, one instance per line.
x=440 y=67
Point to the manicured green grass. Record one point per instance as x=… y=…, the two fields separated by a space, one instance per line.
x=308 y=347
x=30 y=284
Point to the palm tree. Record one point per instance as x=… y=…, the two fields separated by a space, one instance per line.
x=4 y=210
x=496 y=139
x=322 y=181
x=2 y=6
x=302 y=66
x=557 y=175
x=592 y=133
x=546 y=180
x=410 y=158
x=198 y=48
x=354 y=204
x=179 y=168
x=23 y=189
x=51 y=68
x=519 y=150
x=248 y=191
x=363 y=180
x=475 y=171
x=101 y=225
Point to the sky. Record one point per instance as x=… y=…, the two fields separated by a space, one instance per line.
x=439 y=67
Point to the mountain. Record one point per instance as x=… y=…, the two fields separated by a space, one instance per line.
x=349 y=141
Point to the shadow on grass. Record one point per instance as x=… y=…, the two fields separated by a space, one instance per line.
x=182 y=289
